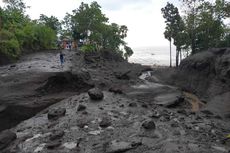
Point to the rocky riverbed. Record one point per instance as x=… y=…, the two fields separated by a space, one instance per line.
x=96 y=104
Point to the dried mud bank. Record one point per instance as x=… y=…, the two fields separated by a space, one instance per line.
x=207 y=75
x=107 y=106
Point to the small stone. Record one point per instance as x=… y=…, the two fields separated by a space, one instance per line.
x=11 y=66
x=81 y=107
x=81 y=123
x=56 y=113
x=155 y=114
x=144 y=105
x=182 y=111
x=53 y=144
x=149 y=125
x=105 y=122
x=119 y=147
x=101 y=108
x=207 y=112
x=115 y=90
x=122 y=105
x=95 y=94
x=132 y=104
x=57 y=134
x=85 y=113
x=70 y=145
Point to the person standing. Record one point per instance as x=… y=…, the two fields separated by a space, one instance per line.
x=70 y=45
x=61 y=58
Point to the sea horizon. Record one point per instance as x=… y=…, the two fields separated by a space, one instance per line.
x=153 y=55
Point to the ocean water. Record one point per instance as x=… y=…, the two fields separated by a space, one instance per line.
x=153 y=56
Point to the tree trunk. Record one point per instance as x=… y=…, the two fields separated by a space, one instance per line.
x=170 y=53
x=180 y=56
x=177 y=57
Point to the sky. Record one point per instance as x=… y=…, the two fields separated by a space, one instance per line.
x=142 y=17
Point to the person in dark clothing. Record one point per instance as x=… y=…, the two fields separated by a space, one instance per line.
x=61 y=58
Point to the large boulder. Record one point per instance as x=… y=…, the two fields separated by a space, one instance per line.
x=149 y=124
x=56 y=113
x=105 y=122
x=6 y=137
x=95 y=94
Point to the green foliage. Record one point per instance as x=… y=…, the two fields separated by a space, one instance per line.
x=37 y=37
x=9 y=44
x=201 y=28
x=19 y=34
x=128 y=52
x=91 y=25
x=88 y=48
x=204 y=24
x=174 y=28
x=51 y=22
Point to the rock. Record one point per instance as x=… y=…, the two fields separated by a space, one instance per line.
x=144 y=105
x=56 y=113
x=155 y=114
x=122 y=75
x=119 y=147
x=70 y=145
x=169 y=99
x=91 y=58
x=207 y=112
x=6 y=137
x=82 y=122
x=132 y=104
x=105 y=122
x=122 y=105
x=57 y=134
x=97 y=132
x=85 y=113
x=81 y=107
x=95 y=94
x=53 y=144
x=182 y=111
x=11 y=66
x=149 y=125
x=115 y=90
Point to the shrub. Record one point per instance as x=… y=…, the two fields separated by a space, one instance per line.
x=88 y=48
x=37 y=37
x=9 y=44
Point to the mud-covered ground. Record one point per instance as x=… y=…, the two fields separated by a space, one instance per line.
x=139 y=113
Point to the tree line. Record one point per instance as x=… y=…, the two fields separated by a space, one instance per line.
x=19 y=34
x=202 y=26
